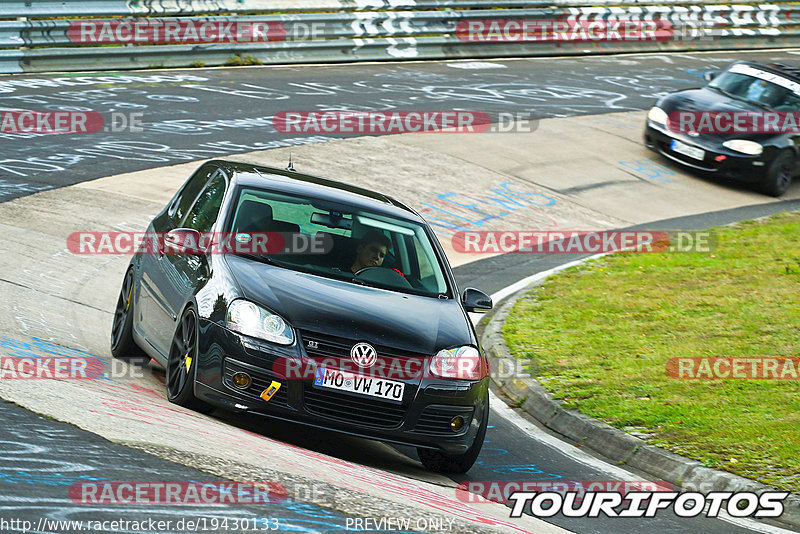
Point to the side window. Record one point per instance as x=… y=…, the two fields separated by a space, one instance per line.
x=204 y=213
x=790 y=103
x=187 y=195
x=425 y=267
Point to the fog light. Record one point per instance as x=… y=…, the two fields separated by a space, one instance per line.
x=456 y=423
x=242 y=380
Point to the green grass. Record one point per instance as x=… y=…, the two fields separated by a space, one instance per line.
x=599 y=336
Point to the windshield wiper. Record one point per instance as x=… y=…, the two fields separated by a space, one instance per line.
x=720 y=90
x=260 y=257
x=740 y=98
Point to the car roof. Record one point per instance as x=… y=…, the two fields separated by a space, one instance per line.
x=300 y=184
x=789 y=71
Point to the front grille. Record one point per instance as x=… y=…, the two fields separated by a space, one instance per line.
x=348 y=408
x=261 y=381
x=436 y=419
x=339 y=347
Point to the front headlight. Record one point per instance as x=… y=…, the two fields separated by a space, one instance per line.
x=657 y=115
x=460 y=363
x=745 y=147
x=254 y=321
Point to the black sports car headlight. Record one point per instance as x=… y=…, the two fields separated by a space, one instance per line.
x=658 y=115
x=252 y=320
x=744 y=146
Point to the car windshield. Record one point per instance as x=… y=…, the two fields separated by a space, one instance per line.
x=760 y=87
x=340 y=241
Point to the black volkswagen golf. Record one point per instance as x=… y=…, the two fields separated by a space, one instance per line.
x=743 y=125
x=353 y=323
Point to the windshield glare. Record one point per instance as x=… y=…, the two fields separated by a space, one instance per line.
x=360 y=247
x=759 y=87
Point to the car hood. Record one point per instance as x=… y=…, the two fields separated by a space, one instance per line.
x=343 y=309
x=705 y=99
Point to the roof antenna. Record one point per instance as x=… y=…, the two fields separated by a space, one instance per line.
x=290 y=167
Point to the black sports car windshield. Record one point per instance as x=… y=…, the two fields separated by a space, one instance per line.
x=760 y=87
x=338 y=241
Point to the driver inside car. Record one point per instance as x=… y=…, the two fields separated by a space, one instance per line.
x=756 y=90
x=371 y=251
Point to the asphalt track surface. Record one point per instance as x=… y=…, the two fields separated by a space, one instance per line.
x=205 y=113
x=41 y=459
x=174 y=133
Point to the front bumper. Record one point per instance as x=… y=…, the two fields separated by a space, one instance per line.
x=734 y=166
x=422 y=420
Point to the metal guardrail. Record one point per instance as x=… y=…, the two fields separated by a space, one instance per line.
x=40 y=42
x=419 y=23
x=104 y=8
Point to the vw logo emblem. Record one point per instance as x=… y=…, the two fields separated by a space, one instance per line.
x=363 y=354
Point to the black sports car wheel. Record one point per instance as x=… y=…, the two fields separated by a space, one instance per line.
x=779 y=174
x=123 y=346
x=182 y=363
x=441 y=462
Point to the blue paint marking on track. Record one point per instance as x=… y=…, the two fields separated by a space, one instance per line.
x=94 y=366
x=650 y=170
x=457 y=211
x=529 y=469
x=48 y=479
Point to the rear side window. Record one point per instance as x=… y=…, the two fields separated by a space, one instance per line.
x=204 y=213
x=188 y=194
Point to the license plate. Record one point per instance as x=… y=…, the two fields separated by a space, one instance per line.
x=390 y=390
x=687 y=150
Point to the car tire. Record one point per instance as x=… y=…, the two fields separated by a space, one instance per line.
x=779 y=174
x=441 y=462
x=181 y=364
x=123 y=346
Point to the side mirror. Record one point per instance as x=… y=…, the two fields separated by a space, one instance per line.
x=475 y=300
x=710 y=75
x=184 y=241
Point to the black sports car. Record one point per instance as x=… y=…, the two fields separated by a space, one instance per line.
x=367 y=335
x=741 y=126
